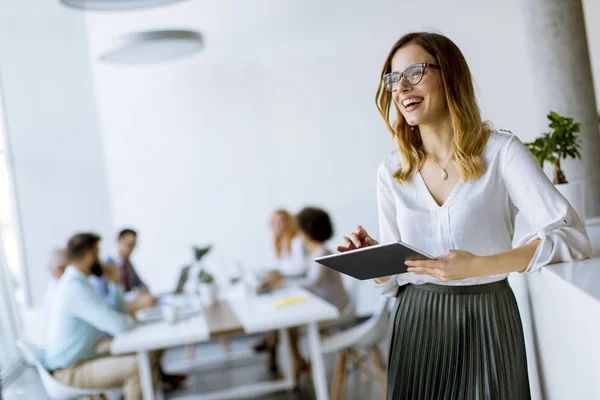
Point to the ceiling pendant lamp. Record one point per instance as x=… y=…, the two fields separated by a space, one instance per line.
x=153 y=47
x=116 y=5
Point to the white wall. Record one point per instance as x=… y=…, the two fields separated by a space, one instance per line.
x=591 y=9
x=52 y=127
x=277 y=111
x=567 y=352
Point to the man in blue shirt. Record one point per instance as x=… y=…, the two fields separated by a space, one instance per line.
x=77 y=318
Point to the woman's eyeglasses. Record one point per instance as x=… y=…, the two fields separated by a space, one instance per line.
x=411 y=75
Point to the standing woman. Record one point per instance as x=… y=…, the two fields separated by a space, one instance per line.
x=452 y=189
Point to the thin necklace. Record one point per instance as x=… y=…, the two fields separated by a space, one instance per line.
x=443 y=172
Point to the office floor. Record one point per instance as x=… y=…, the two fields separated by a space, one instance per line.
x=218 y=376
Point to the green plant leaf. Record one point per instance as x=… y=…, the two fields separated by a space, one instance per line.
x=561 y=142
x=200 y=252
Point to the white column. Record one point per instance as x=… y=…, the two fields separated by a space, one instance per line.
x=563 y=82
x=52 y=130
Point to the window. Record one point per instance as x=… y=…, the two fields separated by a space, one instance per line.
x=9 y=356
x=12 y=282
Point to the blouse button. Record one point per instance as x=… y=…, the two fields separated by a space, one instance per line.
x=564 y=221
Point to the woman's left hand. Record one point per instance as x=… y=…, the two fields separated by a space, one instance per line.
x=453 y=265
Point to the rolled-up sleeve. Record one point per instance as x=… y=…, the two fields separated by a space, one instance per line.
x=552 y=219
x=388 y=224
x=116 y=297
x=87 y=305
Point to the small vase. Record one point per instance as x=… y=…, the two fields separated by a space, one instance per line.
x=208 y=294
x=574 y=192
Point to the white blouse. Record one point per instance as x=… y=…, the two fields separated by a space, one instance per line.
x=296 y=262
x=479 y=216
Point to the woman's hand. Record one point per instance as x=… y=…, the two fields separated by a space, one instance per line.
x=358 y=239
x=453 y=265
x=273 y=279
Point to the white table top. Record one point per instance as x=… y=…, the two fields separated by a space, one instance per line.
x=160 y=335
x=258 y=314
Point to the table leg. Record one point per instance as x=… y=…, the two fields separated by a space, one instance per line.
x=318 y=365
x=145 y=372
x=287 y=360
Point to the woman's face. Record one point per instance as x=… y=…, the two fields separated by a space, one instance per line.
x=430 y=104
x=277 y=224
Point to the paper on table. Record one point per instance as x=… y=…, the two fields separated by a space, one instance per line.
x=291 y=300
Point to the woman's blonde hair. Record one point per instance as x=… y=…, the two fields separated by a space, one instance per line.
x=470 y=132
x=290 y=230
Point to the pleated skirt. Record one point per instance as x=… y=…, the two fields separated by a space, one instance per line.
x=457 y=342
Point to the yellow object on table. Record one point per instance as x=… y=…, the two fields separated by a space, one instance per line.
x=291 y=300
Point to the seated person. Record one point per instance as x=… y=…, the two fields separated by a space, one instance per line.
x=139 y=301
x=292 y=256
x=292 y=260
x=315 y=229
x=138 y=297
x=133 y=284
x=58 y=263
x=78 y=316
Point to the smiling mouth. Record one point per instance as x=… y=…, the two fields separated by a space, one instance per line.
x=412 y=103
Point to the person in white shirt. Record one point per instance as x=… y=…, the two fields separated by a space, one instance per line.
x=315 y=229
x=58 y=264
x=77 y=318
x=292 y=261
x=452 y=189
x=292 y=256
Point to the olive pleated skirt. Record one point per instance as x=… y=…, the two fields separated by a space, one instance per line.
x=457 y=342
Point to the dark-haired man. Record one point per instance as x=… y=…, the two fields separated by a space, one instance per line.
x=77 y=318
x=136 y=291
x=126 y=242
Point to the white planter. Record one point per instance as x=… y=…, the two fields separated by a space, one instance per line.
x=574 y=192
x=208 y=294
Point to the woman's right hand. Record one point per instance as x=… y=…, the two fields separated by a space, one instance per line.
x=357 y=240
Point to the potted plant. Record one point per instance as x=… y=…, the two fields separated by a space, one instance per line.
x=207 y=288
x=561 y=143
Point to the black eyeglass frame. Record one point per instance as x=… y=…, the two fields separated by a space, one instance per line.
x=402 y=75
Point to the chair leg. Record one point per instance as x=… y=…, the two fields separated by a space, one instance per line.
x=343 y=377
x=190 y=351
x=340 y=365
x=375 y=362
x=380 y=357
x=357 y=358
x=226 y=343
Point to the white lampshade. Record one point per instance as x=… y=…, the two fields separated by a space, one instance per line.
x=153 y=47
x=115 y=5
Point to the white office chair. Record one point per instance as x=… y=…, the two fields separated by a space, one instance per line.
x=32 y=325
x=365 y=336
x=54 y=388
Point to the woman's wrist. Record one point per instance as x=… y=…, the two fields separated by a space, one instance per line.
x=383 y=279
x=478 y=266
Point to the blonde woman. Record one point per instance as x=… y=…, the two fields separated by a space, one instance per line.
x=452 y=189
x=292 y=262
x=291 y=255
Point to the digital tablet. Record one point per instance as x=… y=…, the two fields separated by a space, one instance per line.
x=373 y=261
